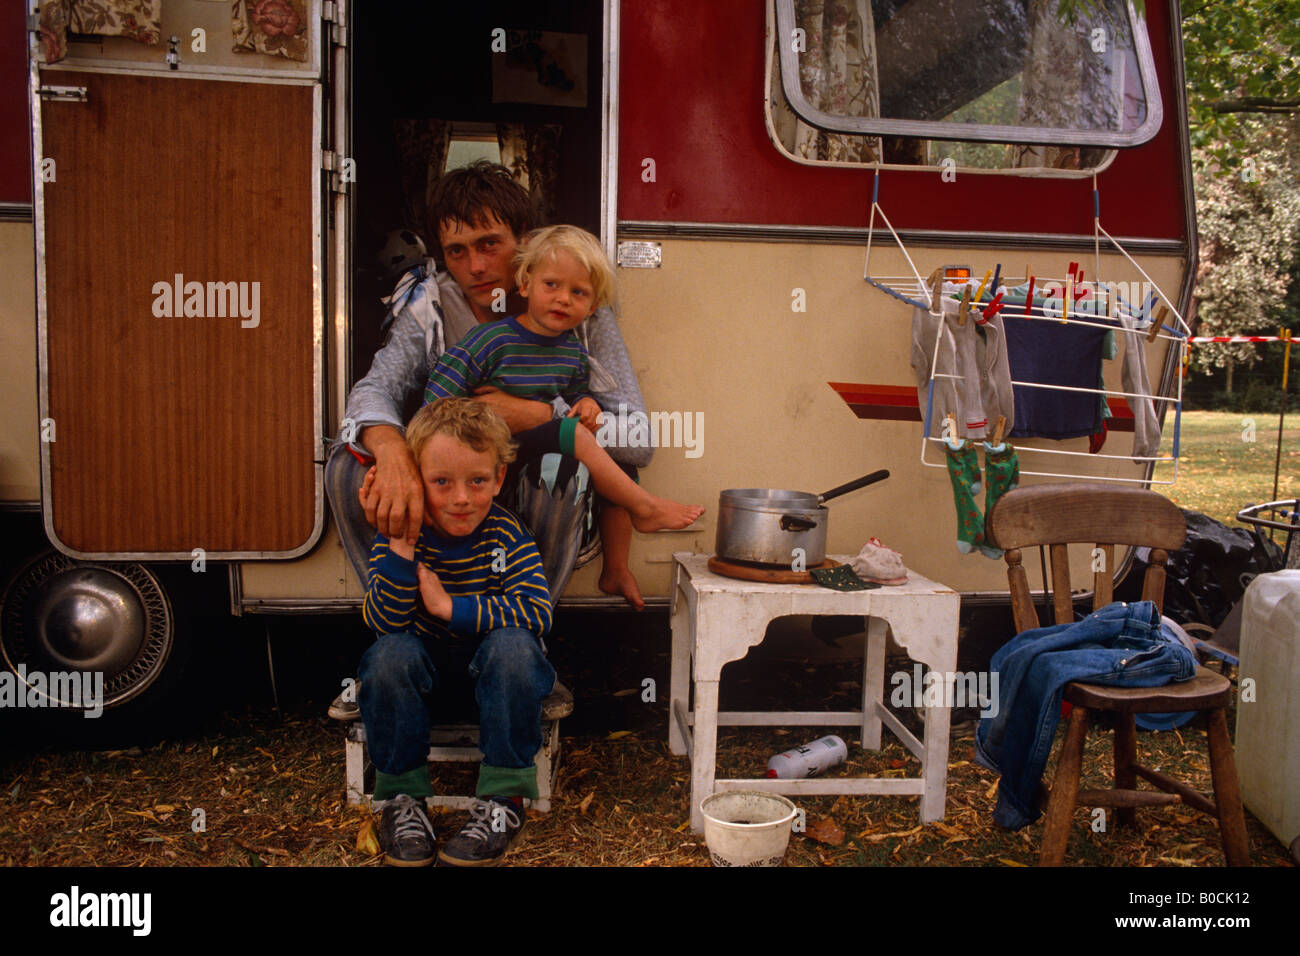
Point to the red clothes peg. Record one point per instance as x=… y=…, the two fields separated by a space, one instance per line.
x=992 y=309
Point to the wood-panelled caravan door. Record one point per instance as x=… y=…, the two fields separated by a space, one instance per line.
x=181 y=322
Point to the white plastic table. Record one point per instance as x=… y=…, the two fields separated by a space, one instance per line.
x=717 y=619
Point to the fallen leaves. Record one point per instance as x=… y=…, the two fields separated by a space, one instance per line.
x=367 y=837
x=824 y=830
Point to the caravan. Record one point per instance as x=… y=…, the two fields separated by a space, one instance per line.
x=784 y=186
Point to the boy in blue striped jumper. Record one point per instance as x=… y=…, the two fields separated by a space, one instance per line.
x=470 y=596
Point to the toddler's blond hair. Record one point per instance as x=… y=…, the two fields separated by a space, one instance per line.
x=579 y=243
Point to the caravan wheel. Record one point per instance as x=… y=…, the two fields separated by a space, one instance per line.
x=64 y=615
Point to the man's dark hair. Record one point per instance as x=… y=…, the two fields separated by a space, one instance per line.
x=467 y=194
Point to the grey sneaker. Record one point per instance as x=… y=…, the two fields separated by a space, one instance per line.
x=492 y=829
x=405 y=833
x=347 y=710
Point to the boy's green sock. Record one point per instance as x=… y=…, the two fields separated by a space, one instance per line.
x=964 y=470
x=413 y=783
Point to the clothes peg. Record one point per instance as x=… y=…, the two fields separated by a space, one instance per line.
x=1156 y=323
x=1069 y=294
x=999 y=429
x=992 y=309
x=997 y=275
x=1029 y=298
x=979 y=294
x=950 y=428
x=936 y=288
x=964 y=308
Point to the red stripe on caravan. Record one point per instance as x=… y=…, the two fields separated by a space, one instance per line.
x=903 y=396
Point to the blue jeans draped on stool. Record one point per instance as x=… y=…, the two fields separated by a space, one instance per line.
x=1120 y=645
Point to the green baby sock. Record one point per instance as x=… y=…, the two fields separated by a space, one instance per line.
x=1002 y=473
x=964 y=470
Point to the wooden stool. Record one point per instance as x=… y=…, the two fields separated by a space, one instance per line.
x=1206 y=691
x=1062 y=514
x=458 y=743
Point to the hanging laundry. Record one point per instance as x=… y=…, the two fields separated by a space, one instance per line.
x=1053 y=353
x=977 y=354
x=1146 y=424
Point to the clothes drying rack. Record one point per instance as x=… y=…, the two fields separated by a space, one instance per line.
x=926 y=294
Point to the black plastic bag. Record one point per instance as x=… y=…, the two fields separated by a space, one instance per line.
x=1209 y=573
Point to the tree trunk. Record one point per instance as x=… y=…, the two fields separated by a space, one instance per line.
x=1227 y=387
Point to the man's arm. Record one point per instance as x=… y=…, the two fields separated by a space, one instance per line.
x=374 y=407
x=605 y=342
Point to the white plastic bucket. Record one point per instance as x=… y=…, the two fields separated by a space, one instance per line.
x=747 y=828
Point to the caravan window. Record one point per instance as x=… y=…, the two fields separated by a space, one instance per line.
x=870 y=81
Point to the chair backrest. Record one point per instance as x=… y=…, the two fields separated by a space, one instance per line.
x=1080 y=513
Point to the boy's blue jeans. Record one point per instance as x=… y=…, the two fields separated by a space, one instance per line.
x=1120 y=645
x=402 y=675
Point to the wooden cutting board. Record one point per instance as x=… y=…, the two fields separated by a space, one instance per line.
x=766 y=574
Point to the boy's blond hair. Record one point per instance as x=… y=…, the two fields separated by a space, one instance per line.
x=469 y=422
x=579 y=243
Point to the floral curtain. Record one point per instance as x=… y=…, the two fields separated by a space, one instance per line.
x=421 y=154
x=275 y=27
x=1064 y=79
x=135 y=19
x=838 y=74
x=532 y=154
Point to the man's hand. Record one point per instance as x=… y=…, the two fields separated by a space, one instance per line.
x=436 y=599
x=588 y=412
x=520 y=414
x=392 y=493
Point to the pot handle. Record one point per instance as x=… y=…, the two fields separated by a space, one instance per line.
x=854 y=485
x=796 y=523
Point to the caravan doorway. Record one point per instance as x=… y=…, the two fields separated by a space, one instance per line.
x=513 y=82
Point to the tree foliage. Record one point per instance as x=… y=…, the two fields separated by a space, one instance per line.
x=1243 y=88
x=1243 y=64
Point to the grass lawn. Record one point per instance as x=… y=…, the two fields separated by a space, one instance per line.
x=1222 y=470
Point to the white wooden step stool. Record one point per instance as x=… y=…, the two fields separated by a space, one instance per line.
x=457 y=743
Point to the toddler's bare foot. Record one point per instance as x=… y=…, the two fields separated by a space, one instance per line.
x=659 y=514
x=622 y=581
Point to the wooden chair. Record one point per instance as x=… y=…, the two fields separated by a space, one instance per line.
x=1060 y=514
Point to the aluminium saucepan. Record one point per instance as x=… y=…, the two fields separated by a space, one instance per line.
x=766 y=525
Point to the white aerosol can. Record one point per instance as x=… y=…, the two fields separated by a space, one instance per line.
x=808 y=760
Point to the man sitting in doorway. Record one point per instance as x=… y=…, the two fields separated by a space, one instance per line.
x=478 y=215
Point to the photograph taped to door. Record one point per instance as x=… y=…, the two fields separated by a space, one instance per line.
x=538 y=66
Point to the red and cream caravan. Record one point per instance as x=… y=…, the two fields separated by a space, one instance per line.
x=785 y=185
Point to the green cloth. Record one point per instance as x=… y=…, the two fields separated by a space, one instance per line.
x=1001 y=474
x=841 y=578
x=964 y=470
x=506 y=782
x=413 y=783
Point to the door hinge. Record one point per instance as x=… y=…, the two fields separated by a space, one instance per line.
x=334 y=13
x=331 y=164
x=72 y=94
